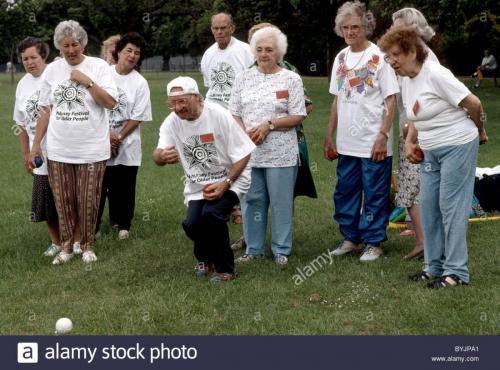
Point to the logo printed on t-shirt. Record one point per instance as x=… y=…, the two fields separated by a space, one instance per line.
x=69 y=94
x=198 y=154
x=221 y=82
x=117 y=114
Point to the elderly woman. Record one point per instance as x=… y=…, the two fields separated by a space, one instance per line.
x=364 y=89
x=269 y=101
x=108 y=48
x=33 y=53
x=74 y=95
x=408 y=182
x=448 y=123
x=134 y=107
x=304 y=183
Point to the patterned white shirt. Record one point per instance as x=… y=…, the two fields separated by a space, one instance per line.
x=259 y=97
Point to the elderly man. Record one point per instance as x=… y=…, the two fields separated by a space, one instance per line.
x=488 y=67
x=224 y=60
x=214 y=152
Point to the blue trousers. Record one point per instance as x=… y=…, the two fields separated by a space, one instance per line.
x=447 y=186
x=362 y=198
x=271 y=188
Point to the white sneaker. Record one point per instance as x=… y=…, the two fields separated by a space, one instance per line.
x=371 y=253
x=346 y=247
x=77 y=248
x=52 y=250
x=89 y=256
x=280 y=260
x=123 y=234
x=62 y=258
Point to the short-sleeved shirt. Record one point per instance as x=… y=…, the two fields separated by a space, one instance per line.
x=133 y=104
x=78 y=130
x=401 y=109
x=220 y=67
x=26 y=112
x=258 y=97
x=208 y=147
x=361 y=81
x=431 y=101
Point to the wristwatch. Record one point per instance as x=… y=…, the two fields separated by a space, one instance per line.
x=229 y=181
x=386 y=134
x=271 y=125
x=91 y=83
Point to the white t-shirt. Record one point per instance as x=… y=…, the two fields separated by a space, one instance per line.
x=221 y=66
x=489 y=62
x=133 y=104
x=361 y=81
x=259 y=97
x=78 y=130
x=431 y=101
x=26 y=112
x=401 y=109
x=208 y=147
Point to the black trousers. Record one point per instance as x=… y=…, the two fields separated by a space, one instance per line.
x=119 y=187
x=206 y=225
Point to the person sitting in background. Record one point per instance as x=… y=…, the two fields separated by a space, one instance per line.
x=448 y=122
x=488 y=67
x=214 y=152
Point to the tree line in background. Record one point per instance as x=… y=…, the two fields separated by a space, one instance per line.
x=172 y=27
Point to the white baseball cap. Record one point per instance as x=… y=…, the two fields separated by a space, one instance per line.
x=187 y=84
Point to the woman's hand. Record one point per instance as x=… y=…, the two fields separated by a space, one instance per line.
x=483 y=138
x=258 y=134
x=379 y=148
x=413 y=153
x=36 y=151
x=80 y=77
x=329 y=150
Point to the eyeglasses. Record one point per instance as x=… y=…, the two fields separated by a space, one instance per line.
x=353 y=28
x=391 y=59
x=172 y=104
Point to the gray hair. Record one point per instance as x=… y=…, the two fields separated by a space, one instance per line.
x=355 y=8
x=413 y=17
x=69 y=29
x=273 y=33
x=224 y=14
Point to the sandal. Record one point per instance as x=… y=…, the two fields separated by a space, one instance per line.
x=446 y=281
x=420 y=276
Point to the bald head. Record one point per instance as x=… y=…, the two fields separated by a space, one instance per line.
x=222 y=29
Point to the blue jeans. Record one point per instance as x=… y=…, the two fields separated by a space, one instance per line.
x=362 y=199
x=271 y=188
x=447 y=186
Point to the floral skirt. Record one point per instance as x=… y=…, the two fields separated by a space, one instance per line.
x=408 y=182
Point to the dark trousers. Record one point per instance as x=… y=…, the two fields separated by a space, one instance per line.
x=206 y=225
x=119 y=187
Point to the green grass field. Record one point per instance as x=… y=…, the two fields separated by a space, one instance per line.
x=145 y=285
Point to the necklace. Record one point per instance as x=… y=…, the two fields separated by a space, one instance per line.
x=359 y=60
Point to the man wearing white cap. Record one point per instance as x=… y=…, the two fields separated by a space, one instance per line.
x=222 y=61
x=214 y=152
